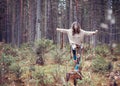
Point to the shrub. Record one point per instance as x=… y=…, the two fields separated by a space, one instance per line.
x=57 y=56
x=99 y=64
x=60 y=56
x=117 y=49
x=16 y=69
x=102 y=50
x=7 y=59
x=9 y=50
x=58 y=74
x=43 y=46
x=25 y=46
x=85 y=81
x=41 y=77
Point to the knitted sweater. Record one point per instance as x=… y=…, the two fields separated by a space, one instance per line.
x=77 y=38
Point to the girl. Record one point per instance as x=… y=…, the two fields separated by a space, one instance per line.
x=76 y=36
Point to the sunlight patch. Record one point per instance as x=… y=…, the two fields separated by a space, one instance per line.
x=109 y=17
x=112 y=21
x=114 y=45
x=103 y=25
x=109 y=11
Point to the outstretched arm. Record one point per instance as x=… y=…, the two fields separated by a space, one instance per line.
x=89 y=33
x=62 y=30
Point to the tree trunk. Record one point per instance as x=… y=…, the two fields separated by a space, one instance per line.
x=13 y=23
x=38 y=31
x=71 y=12
x=45 y=27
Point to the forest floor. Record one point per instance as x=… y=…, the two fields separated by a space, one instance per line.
x=18 y=66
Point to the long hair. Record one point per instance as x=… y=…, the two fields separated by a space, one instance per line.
x=75 y=31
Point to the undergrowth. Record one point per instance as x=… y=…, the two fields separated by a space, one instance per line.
x=21 y=62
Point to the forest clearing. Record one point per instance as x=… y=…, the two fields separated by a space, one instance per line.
x=59 y=42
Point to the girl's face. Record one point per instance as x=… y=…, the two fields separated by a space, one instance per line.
x=75 y=26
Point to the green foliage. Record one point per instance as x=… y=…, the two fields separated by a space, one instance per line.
x=26 y=54
x=19 y=62
x=39 y=74
x=60 y=56
x=117 y=49
x=85 y=81
x=57 y=72
x=43 y=45
x=99 y=64
x=25 y=51
x=71 y=63
x=57 y=56
x=26 y=46
x=9 y=50
x=16 y=69
x=58 y=59
x=102 y=50
x=7 y=59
